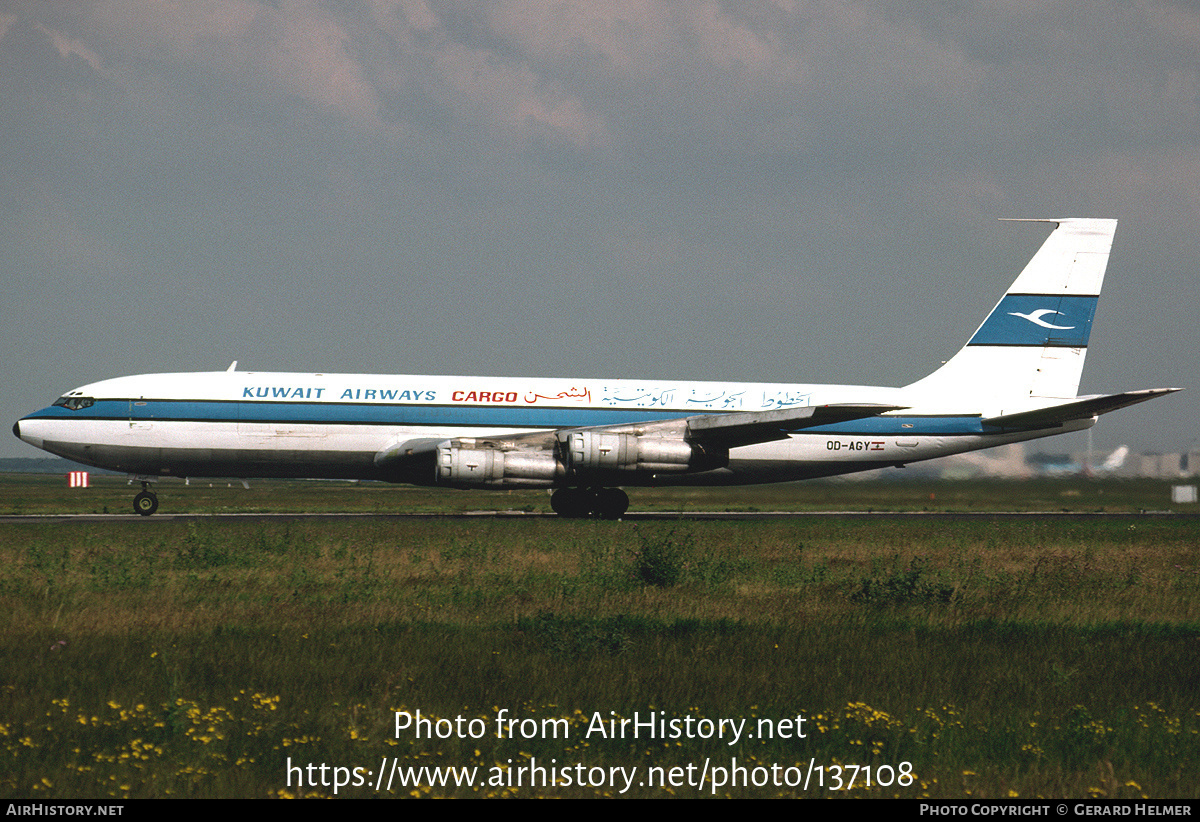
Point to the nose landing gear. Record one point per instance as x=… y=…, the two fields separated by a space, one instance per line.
x=146 y=502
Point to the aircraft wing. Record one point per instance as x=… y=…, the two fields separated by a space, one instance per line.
x=1076 y=409
x=749 y=427
x=732 y=429
x=713 y=430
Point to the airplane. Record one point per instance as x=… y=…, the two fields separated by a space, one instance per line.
x=1067 y=466
x=1016 y=379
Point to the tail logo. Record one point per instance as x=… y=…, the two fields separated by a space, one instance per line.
x=1055 y=320
x=1035 y=317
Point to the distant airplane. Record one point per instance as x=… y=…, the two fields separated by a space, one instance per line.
x=1016 y=379
x=1115 y=460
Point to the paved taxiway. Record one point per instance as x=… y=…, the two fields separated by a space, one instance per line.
x=632 y=516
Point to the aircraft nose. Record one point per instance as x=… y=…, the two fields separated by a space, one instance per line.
x=36 y=442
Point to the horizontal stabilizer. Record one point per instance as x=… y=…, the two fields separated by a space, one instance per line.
x=1077 y=409
x=747 y=427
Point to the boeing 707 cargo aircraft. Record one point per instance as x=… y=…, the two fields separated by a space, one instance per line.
x=1015 y=379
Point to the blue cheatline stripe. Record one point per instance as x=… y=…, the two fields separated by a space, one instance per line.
x=329 y=413
x=311 y=413
x=1040 y=320
x=905 y=427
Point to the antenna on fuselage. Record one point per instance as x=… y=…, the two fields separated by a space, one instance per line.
x=232 y=366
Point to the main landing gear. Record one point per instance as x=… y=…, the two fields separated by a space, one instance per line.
x=145 y=503
x=601 y=503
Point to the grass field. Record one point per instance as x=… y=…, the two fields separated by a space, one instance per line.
x=980 y=658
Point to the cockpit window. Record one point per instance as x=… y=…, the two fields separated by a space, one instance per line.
x=75 y=403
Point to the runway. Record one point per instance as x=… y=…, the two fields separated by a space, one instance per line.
x=632 y=516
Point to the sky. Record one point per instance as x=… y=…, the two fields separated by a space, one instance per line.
x=753 y=191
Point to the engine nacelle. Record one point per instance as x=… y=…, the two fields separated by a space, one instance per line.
x=582 y=458
x=592 y=452
x=460 y=464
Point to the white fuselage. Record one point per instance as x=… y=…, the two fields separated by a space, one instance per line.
x=252 y=424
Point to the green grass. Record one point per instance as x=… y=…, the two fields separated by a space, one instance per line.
x=976 y=658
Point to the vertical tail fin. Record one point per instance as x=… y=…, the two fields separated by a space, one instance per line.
x=1034 y=342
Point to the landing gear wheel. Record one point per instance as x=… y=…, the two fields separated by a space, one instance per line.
x=145 y=503
x=572 y=503
x=611 y=503
x=602 y=503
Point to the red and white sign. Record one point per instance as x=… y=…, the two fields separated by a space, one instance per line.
x=77 y=479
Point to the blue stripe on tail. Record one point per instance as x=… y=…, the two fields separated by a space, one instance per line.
x=1039 y=320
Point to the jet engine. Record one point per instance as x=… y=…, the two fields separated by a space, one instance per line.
x=461 y=464
x=578 y=458
x=588 y=453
